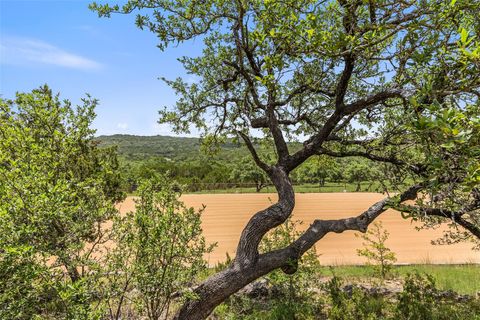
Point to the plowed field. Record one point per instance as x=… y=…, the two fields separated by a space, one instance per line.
x=226 y=215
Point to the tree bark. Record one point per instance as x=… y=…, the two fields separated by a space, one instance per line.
x=220 y=286
x=249 y=265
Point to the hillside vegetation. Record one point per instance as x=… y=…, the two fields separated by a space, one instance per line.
x=230 y=168
x=134 y=147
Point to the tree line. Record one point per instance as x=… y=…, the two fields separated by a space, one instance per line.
x=202 y=172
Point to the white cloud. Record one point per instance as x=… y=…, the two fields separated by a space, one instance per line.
x=122 y=125
x=24 y=51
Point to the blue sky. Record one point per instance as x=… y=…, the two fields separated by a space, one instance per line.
x=64 y=44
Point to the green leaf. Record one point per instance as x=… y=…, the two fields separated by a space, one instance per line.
x=463 y=35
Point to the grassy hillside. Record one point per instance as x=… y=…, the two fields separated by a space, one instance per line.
x=134 y=147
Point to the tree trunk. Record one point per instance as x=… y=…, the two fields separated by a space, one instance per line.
x=249 y=265
x=72 y=270
x=222 y=285
x=322 y=182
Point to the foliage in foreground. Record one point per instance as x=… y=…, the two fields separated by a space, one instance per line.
x=158 y=253
x=394 y=82
x=57 y=189
x=420 y=299
x=57 y=196
x=303 y=295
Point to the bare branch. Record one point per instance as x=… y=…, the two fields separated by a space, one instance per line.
x=254 y=153
x=319 y=228
x=417 y=168
x=373 y=100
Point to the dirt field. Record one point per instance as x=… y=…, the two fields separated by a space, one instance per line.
x=226 y=215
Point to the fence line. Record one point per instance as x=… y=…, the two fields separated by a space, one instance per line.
x=242 y=187
x=228 y=187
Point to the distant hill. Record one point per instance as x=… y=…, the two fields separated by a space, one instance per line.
x=141 y=147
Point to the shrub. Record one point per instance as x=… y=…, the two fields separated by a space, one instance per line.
x=421 y=300
x=417 y=300
x=57 y=188
x=159 y=252
x=356 y=304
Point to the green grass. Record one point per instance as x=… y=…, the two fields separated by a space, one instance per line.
x=464 y=279
x=301 y=188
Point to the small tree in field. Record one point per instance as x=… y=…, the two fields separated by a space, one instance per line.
x=375 y=249
x=246 y=171
x=358 y=171
x=158 y=252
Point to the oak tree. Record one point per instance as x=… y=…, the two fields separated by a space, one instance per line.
x=395 y=82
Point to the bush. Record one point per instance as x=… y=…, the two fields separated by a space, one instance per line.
x=354 y=305
x=417 y=300
x=159 y=252
x=57 y=189
x=421 y=300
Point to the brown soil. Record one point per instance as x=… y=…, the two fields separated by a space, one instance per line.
x=226 y=215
